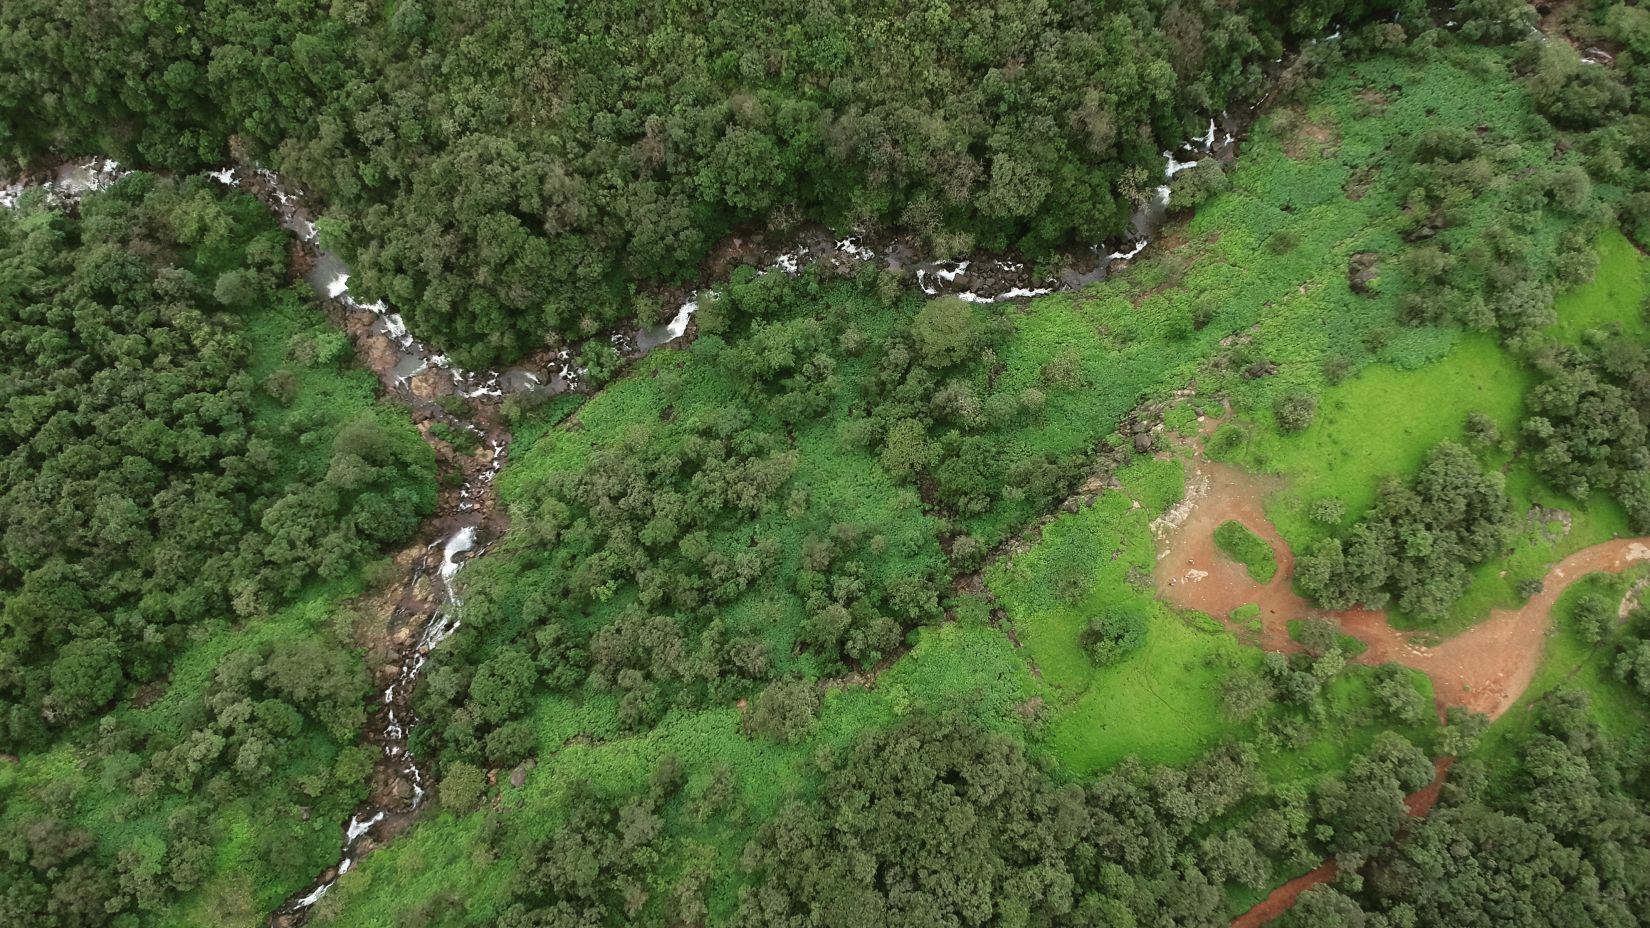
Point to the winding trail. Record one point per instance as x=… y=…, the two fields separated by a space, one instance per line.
x=1281 y=899
x=1485 y=668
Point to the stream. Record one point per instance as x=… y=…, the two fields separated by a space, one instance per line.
x=425 y=610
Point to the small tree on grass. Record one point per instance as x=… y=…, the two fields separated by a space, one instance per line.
x=1593 y=617
x=785 y=710
x=1245 y=694
x=1328 y=510
x=1318 y=636
x=1296 y=410
x=1398 y=696
x=462 y=787
x=944 y=331
x=1113 y=635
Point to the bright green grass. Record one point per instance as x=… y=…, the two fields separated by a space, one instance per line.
x=1614 y=297
x=1247 y=616
x=1381 y=424
x=1162 y=704
x=1245 y=547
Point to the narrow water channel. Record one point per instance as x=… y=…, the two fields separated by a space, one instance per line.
x=465 y=527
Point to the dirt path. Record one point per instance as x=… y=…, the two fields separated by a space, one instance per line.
x=1280 y=900
x=1485 y=668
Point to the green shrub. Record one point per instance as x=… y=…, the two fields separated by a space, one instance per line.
x=1113 y=635
x=1296 y=410
x=1237 y=542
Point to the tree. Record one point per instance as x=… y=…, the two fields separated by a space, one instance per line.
x=944 y=331
x=1113 y=635
x=785 y=710
x=1295 y=410
x=1192 y=187
x=462 y=787
x=501 y=686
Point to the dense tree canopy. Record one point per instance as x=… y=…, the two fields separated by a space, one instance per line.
x=499 y=171
x=1416 y=545
x=150 y=485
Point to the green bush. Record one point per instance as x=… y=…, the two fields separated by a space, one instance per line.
x=1237 y=542
x=1113 y=635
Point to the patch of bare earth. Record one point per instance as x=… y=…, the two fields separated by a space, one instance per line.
x=1485 y=668
x=1311 y=140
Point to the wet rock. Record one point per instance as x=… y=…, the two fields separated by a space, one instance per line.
x=1362 y=270
x=429 y=384
x=403 y=789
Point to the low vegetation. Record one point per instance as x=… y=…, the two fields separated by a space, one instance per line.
x=1240 y=544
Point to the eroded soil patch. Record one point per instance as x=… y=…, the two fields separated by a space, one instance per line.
x=1485 y=668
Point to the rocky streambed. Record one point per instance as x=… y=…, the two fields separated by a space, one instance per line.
x=412 y=615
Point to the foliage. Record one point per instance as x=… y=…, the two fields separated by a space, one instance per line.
x=1586 y=423
x=1113 y=635
x=1417 y=543
x=1240 y=544
x=1569 y=845
x=148 y=487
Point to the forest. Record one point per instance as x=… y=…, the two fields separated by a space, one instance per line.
x=1287 y=570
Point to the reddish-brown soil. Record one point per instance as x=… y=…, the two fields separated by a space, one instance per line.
x=1485 y=668
x=1279 y=900
x=1191 y=571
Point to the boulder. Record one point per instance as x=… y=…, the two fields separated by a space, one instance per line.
x=1361 y=271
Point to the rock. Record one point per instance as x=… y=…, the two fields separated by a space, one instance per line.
x=1260 y=369
x=1361 y=271
x=1142 y=442
x=1436 y=220
x=303 y=813
x=403 y=789
x=518 y=776
x=431 y=383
